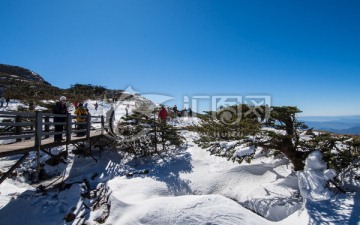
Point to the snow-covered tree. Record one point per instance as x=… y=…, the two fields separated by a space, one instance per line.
x=228 y=125
x=144 y=135
x=286 y=136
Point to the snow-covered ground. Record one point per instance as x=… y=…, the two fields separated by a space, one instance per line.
x=191 y=187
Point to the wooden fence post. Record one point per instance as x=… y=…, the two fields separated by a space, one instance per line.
x=18 y=128
x=68 y=128
x=47 y=126
x=102 y=124
x=38 y=134
x=68 y=131
x=88 y=126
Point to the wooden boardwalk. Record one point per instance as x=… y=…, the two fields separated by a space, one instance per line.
x=28 y=132
x=29 y=145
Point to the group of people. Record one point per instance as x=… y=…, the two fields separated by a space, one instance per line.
x=3 y=100
x=81 y=112
x=181 y=113
x=163 y=113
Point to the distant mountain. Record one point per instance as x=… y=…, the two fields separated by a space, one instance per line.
x=20 y=83
x=336 y=124
x=23 y=84
x=20 y=73
x=352 y=130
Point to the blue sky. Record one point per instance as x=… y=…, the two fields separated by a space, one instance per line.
x=300 y=53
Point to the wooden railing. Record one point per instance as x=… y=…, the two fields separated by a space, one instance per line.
x=38 y=125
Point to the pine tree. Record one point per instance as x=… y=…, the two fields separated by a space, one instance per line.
x=340 y=151
x=287 y=141
x=142 y=133
x=227 y=124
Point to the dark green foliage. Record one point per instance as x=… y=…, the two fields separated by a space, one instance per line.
x=225 y=126
x=168 y=136
x=340 y=151
x=28 y=90
x=86 y=91
x=143 y=135
x=23 y=84
x=21 y=73
x=228 y=124
x=286 y=138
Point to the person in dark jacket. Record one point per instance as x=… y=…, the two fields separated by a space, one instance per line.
x=190 y=112
x=175 y=109
x=7 y=102
x=60 y=108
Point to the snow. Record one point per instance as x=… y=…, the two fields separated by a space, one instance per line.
x=244 y=150
x=312 y=180
x=191 y=187
x=185 y=121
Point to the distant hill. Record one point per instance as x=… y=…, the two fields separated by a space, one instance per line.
x=20 y=73
x=352 y=130
x=28 y=86
x=24 y=84
x=335 y=124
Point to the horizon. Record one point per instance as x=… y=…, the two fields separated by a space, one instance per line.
x=304 y=54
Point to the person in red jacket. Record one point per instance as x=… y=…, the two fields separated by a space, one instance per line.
x=163 y=114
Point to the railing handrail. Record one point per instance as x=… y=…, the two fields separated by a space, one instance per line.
x=24 y=114
x=39 y=127
x=40 y=124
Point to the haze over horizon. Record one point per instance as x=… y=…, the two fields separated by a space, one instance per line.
x=298 y=53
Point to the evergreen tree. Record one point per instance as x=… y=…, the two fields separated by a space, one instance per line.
x=143 y=134
x=286 y=138
x=228 y=124
x=340 y=151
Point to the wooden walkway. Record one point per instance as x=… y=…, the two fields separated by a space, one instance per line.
x=28 y=145
x=29 y=132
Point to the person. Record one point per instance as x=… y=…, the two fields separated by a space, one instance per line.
x=127 y=110
x=81 y=114
x=1 y=102
x=183 y=113
x=190 y=112
x=7 y=102
x=86 y=108
x=76 y=104
x=59 y=108
x=110 y=119
x=163 y=114
x=96 y=105
x=175 y=111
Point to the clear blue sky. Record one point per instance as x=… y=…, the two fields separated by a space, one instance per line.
x=300 y=52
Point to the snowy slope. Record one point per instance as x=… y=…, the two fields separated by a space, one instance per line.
x=192 y=187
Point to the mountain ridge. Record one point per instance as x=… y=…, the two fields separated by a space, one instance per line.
x=24 y=84
x=335 y=124
x=17 y=72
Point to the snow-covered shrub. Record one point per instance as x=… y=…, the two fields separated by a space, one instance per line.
x=313 y=179
x=143 y=135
